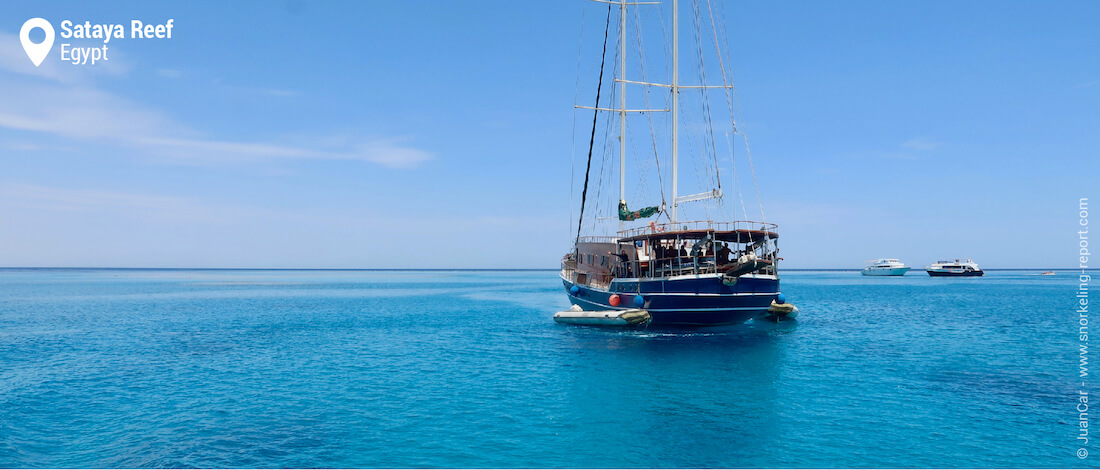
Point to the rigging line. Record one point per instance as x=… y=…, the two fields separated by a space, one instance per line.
x=719 y=30
x=641 y=190
x=604 y=175
x=606 y=159
x=696 y=135
x=595 y=115
x=704 y=176
x=707 y=113
x=573 y=138
x=744 y=134
x=725 y=82
x=645 y=93
x=748 y=151
x=611 y=145
x=721 y=63
x=642 y=171
x=688 y=138
x=668 y=74
x=696 y=149
x=697 y=144
x=605 y=209
x=733 y=166
x=666 y=43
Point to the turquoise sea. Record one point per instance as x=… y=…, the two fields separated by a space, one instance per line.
x=228 y=368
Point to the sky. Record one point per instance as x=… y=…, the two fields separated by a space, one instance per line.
x=432 y=134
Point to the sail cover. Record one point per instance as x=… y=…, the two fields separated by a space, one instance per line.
x=625 y=214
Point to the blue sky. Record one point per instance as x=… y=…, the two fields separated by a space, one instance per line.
x=439 y=134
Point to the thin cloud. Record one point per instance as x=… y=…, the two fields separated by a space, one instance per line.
x=48 y=198
x=390 y=153
x=921 y=144
x=21 y=146
x=265 y=91
x=69 y=105
x=110 y=204
x=78 y=112
x=387 y=152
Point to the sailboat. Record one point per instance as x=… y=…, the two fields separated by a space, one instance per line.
x=687 y=261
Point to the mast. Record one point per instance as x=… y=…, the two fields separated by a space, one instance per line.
x=622 y=81
x=675 y=101
x=622 y=106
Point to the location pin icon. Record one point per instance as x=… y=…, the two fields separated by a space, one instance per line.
x=37 y=52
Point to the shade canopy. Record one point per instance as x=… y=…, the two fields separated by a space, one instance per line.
x=735 y=236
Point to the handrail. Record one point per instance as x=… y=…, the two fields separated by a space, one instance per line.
x=694 y=225
x=598 y=239
x=677 y=265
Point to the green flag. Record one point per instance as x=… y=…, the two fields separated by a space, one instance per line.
x=625 y=214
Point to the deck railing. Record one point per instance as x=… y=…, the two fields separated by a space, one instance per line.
x=703 y=263
x=695 y=225
x=680 y=265
x=598 y=239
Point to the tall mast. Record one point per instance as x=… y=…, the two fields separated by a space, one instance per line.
x=622 y=81
x=675 y=101
x=622 y=106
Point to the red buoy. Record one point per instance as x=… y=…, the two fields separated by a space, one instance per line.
x=614 y=300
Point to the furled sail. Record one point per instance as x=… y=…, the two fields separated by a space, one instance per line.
x=625 y=214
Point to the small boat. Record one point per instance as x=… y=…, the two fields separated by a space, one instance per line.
x=1047 y=273
x=885 y=267
x=956 y=267
x=781 y=310
x=576 y=316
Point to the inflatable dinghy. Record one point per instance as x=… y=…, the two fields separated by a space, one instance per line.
x=576 y=316
x=781 y=310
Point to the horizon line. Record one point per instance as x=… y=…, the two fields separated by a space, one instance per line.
x=435 y=269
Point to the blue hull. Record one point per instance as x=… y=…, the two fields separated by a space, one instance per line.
x=692 y=301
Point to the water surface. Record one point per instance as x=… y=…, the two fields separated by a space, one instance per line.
x=214 y=368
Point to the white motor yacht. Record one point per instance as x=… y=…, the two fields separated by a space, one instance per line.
x=885 y=267
x=956 y=267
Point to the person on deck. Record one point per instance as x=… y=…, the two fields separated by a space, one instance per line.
x=723 y=255
x=624 y=260
x=664 y=252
